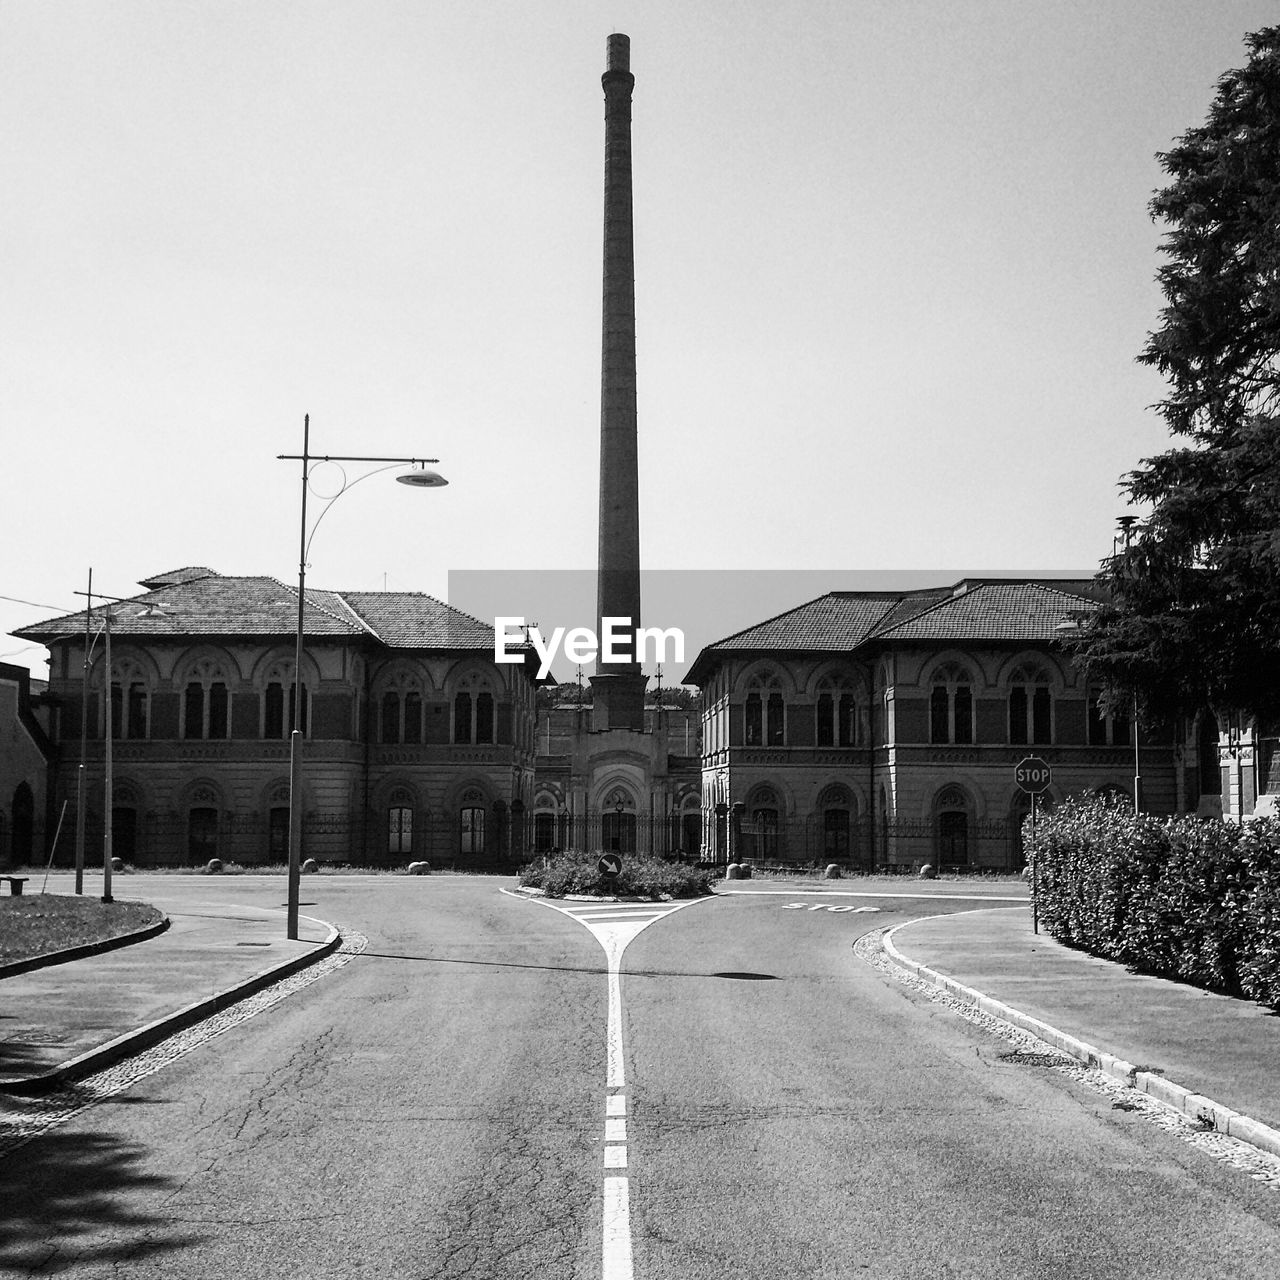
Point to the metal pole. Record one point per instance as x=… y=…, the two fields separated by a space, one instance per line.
x=295 y=735
x=1137 y=768
x=109 y=781
x=84 y=744
x=1035 y=870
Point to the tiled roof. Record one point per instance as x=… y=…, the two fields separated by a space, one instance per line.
x=412 y=620
x=993 y=611
x=839 y=621
x=969 y=611
x=212 y=605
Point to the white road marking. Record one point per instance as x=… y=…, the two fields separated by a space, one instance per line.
x=614 y=925
x=617 y=1230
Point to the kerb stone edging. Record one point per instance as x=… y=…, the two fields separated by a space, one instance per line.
x=144 y=1037
x=16 y=967
x=1197 y=1106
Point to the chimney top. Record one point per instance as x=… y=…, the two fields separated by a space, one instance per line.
x=619 y=53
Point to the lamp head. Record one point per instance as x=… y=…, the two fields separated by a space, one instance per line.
x=422 y=479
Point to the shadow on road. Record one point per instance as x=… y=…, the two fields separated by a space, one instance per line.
x=601 y=969
x=75 y=1197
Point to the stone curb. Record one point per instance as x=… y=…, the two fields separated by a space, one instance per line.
x=1146 y=1079
x=85 y=949
x=144 y=1037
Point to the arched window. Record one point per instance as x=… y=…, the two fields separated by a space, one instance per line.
x=130 y=702
x=400 y=822
x=840 y=720
x=760 y=831
x=951 y=705
x=1109 y=729
x=951 y=815
x=836 y=806
x=471 y=822
x=1030 y=707
x=399 y=704
x=473 y=710
x=764 y=712
x=205 y=701
x=278 y=702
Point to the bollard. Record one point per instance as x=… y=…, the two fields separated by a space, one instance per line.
x=213 y=867
x=832 y=872
x=310 y=866
x=927 y=872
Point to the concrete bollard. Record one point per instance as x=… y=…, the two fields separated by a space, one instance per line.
x=117 y=864
x=927 y=872
x=213 y=867
x=733 y=872
x=419 y=868
x=832 y=872
x=311 y=865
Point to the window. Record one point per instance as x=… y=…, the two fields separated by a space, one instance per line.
x=839 y=716
x=400 y=829
x=1111 y=730
x=544 y=832
x=472 y=829
x=835 y=833
x=1030 y=708
x=400 y=710
x=278 y=703
x=951 y=706
x=202 y=834
x=952 y=827
x=205 y=703
x=473 y=719
x=130 y=703
x=764 y=712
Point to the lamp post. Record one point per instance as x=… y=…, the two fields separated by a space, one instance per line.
x=1126 y=526
x=420 y=479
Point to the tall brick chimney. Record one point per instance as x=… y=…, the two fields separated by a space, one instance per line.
x=618 y=689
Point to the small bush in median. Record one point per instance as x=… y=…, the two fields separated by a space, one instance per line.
x=641 y=876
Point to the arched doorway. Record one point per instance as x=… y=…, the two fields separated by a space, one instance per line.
x=951 y=828
x=618 y=822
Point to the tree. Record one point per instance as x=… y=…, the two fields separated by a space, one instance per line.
x=1194 y=616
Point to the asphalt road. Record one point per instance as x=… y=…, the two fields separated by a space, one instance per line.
x=435 y=1109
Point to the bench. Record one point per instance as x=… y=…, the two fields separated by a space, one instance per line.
x=15 y=884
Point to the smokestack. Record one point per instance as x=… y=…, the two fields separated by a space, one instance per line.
x=618 y=689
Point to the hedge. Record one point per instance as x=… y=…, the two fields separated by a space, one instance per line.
x=641 y=876
x=1186 y=898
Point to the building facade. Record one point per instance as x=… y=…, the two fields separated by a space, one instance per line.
x=881 y=729
x=418 y=746
x=25 y=753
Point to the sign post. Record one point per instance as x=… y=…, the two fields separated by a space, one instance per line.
x=1033 y=776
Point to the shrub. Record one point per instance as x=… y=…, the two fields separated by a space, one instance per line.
x=1181 y=897
x=641 y=876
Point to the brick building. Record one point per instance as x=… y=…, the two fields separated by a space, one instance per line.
x=882 y=728
x=418 y=745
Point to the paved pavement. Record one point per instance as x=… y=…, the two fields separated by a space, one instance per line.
x=1189 y=1047
x=65 y=1020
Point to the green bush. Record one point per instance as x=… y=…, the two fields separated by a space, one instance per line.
x=1185 y=898
x=641 y=876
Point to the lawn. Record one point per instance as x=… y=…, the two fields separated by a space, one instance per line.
x=35 y=924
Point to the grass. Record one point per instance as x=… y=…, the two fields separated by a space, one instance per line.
x=36 y=924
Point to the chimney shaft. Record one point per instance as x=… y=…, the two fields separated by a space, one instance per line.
x=618 y=689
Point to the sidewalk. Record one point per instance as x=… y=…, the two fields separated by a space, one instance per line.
x=65 y=1020
x=1180 y=1039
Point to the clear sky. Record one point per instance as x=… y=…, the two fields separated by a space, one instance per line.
x=894 y=265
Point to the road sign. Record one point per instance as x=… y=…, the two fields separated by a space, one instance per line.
x=1033 y=775
x=610 y=864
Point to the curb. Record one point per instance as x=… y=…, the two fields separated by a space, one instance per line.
x=135 y=1041
x=1146 y=1080
x=80 y=952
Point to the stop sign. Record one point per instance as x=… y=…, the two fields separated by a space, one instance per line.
x=1033 y=775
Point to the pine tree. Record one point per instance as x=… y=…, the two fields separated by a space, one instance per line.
x=1195 y=613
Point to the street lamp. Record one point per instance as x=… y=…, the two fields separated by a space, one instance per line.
x=423 y=478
